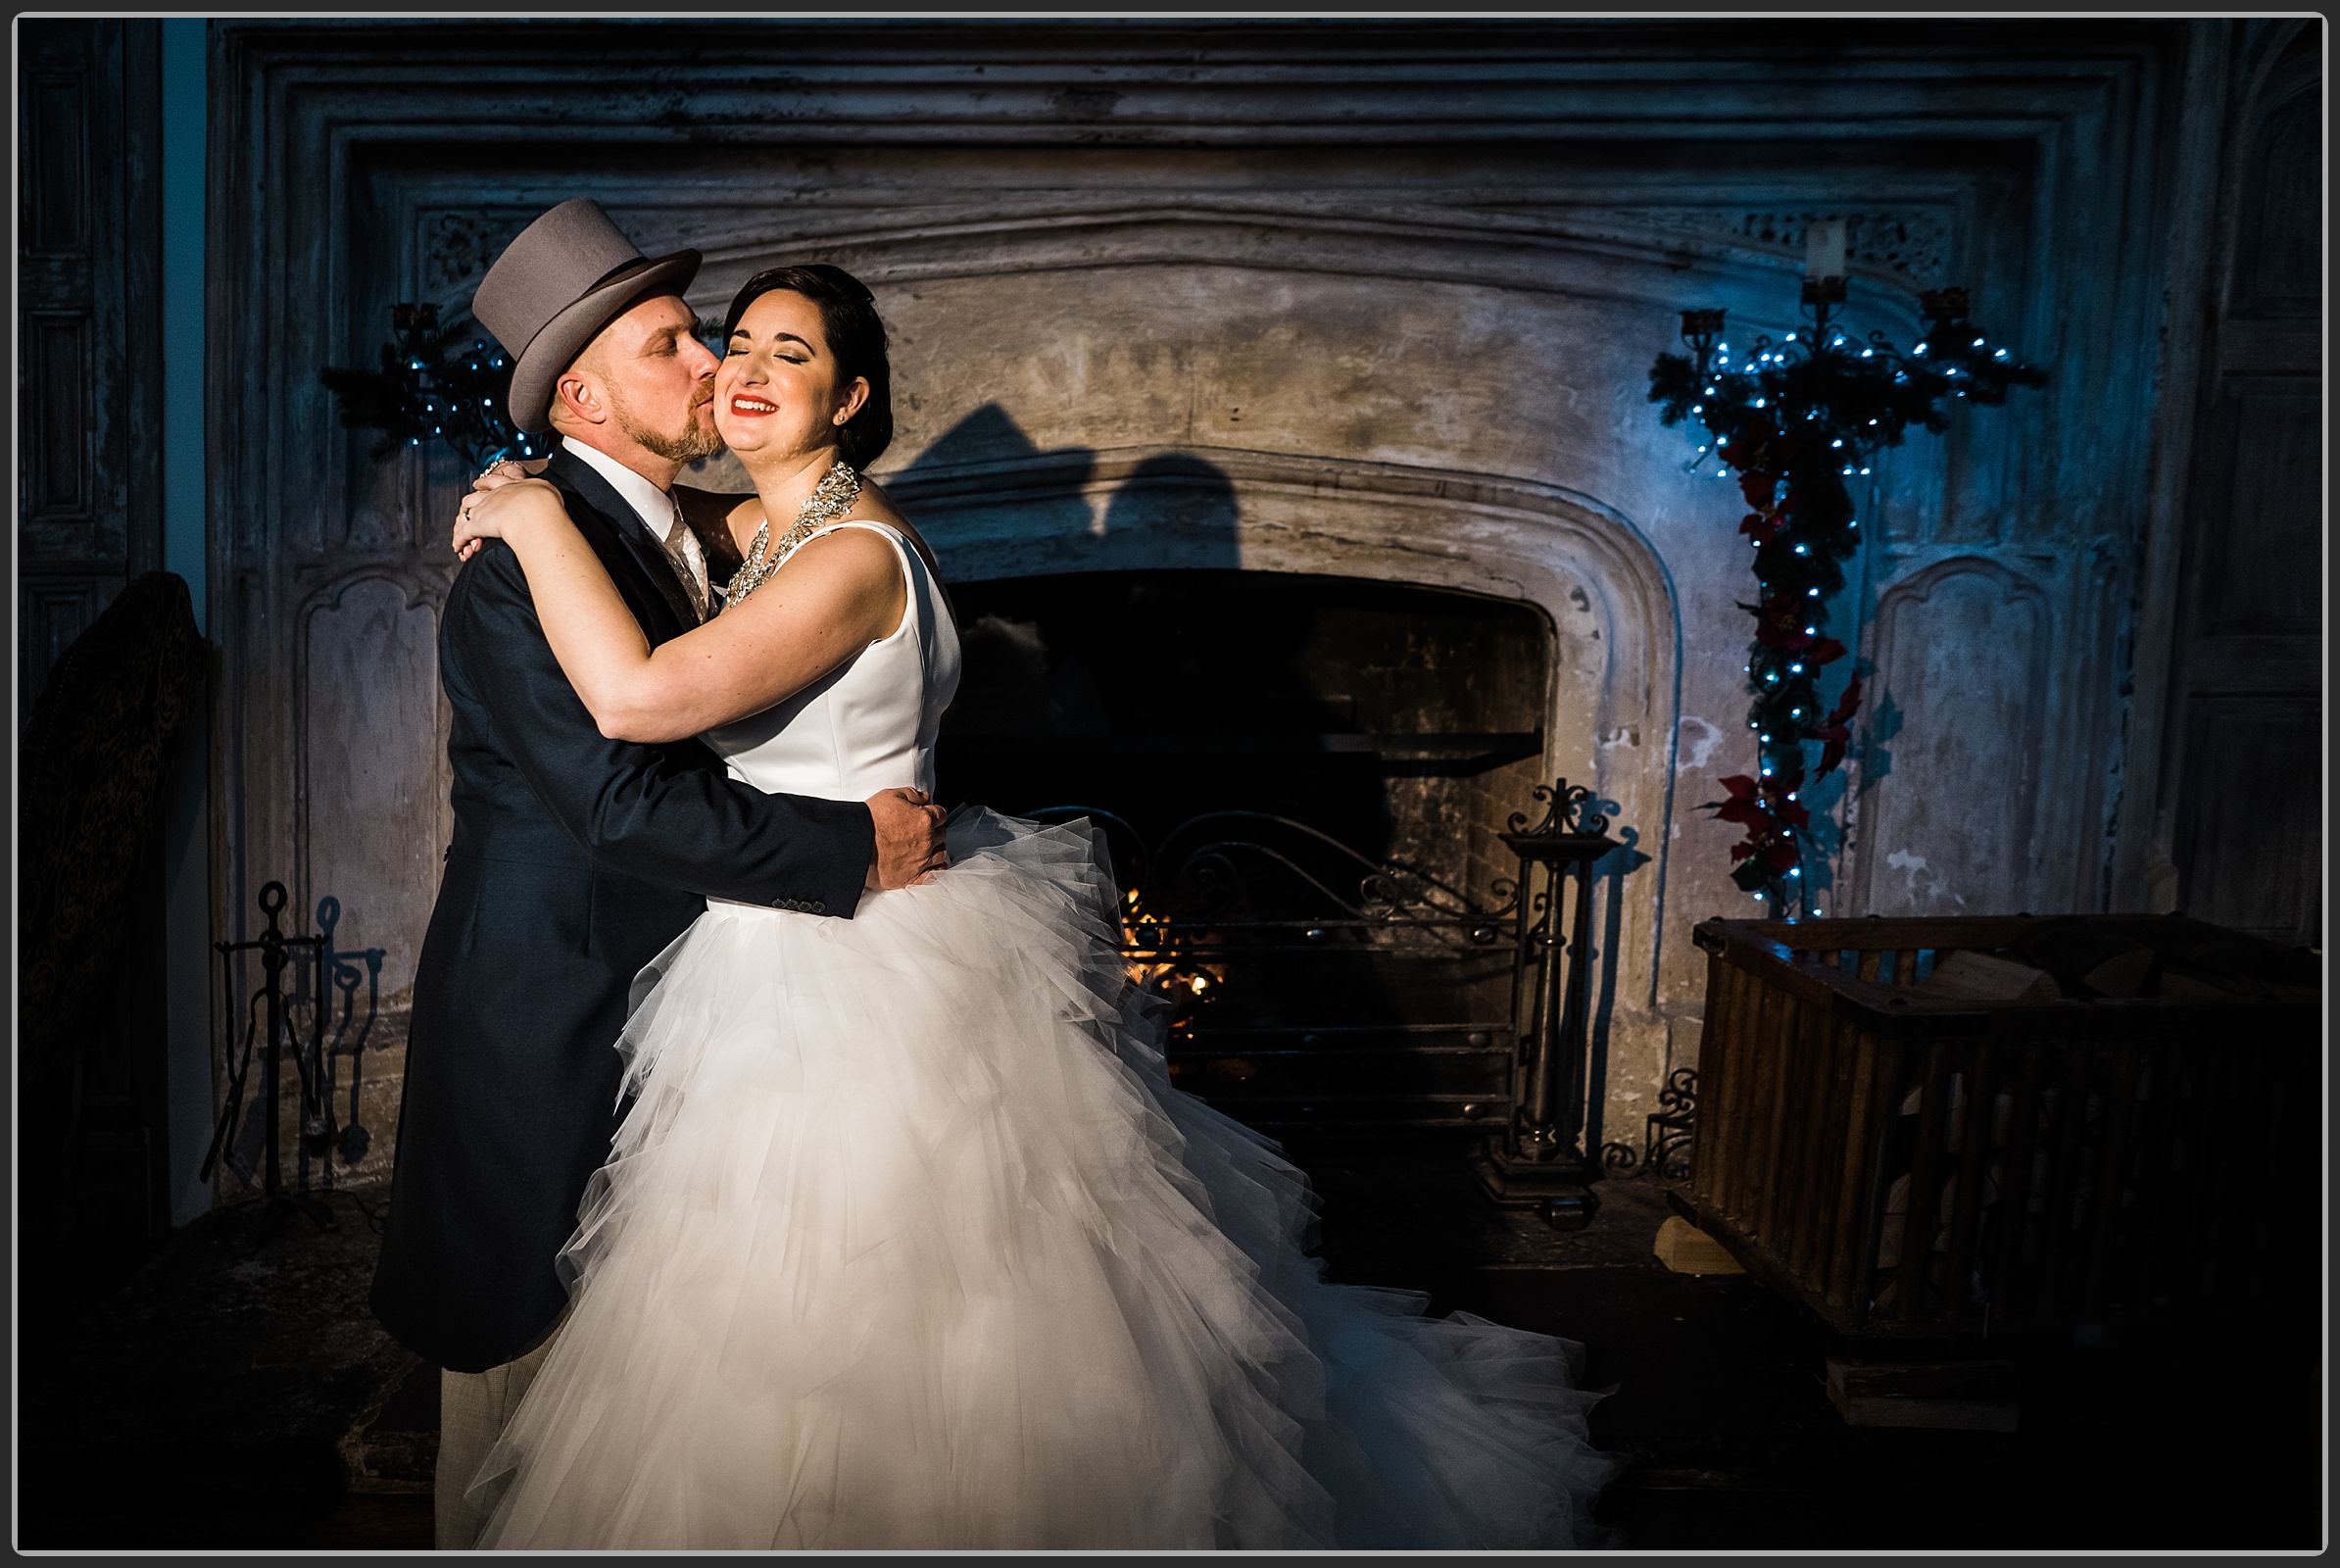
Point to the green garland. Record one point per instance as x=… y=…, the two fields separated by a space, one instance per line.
x=1795 y=421
x=433 y=386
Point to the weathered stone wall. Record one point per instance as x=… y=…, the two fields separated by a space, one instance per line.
x=1398 y=289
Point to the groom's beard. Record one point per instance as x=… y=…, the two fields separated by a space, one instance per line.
x=688 y=446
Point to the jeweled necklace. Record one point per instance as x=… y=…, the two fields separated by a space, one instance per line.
x=838 y=489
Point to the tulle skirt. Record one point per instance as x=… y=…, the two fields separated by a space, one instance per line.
x=908 y=1241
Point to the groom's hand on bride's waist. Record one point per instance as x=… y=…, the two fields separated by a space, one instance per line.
x=908 y=838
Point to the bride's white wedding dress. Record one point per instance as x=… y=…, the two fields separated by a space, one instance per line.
x=908 y=1241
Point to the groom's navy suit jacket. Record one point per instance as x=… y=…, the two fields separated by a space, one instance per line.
x=575 y=859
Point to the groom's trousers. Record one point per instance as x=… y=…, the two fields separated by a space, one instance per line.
x=473 y=1409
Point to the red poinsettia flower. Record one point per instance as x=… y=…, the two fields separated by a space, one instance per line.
x=1759 y=485
x=1742 y=807
x=1791 y=812
x=1763 y=808
x=1779 y=622
x=1835 y=731
x=1777 y=851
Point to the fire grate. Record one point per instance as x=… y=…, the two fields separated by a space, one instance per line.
x=1316 y=991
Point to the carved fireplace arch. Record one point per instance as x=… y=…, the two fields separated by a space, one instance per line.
x=1610 y=714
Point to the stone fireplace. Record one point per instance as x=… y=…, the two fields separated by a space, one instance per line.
x=1393 y=717
x=1342 y=328
x=1299 y=755
x=1394 y=657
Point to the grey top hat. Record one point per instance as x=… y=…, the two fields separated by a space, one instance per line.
x=561 y=280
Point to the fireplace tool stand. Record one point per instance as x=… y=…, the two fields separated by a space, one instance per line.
x=1545 y=1157
x=268 y=1015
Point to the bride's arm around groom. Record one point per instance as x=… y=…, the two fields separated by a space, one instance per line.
x=663 y=814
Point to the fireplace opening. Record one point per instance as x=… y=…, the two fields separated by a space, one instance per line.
x=1302 y=780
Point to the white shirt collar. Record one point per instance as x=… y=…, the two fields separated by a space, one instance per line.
x=654 y=505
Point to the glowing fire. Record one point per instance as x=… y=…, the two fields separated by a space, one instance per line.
x=1141 y=936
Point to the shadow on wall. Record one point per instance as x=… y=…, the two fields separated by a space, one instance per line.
x=1048 y=485
x=1609 y=874
x=1179 y=491
x=1173 y=491
x=95 y=761
x=1071 y=662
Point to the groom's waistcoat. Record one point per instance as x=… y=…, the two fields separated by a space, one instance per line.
x=575 y=859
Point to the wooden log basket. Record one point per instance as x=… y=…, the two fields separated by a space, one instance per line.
x=2083 y=1123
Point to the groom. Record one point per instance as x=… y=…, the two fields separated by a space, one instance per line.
x=576 y=858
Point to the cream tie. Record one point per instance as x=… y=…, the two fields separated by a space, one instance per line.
x=682 y=548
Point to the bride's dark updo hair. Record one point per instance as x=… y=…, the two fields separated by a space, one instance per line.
x=849 y=318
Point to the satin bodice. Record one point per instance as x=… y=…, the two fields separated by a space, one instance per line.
x=871 y=724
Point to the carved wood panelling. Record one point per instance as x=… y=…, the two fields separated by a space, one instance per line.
x=2103 y=623
x=88 y=512
x=372 y=753
x=88 y=322
x=2250 y=842
x=2264 y=529
x=59 y=370
x=2278 y=261
x=1956 y=723
x=55 y=103
x=2231 y=806
x=54 y=610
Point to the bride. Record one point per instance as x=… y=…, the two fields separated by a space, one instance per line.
x=908 y=1240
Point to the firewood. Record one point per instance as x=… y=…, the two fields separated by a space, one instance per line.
x=1686 y=1250
x=2125 y=974
x=1964 y=975
x=2073 y=950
